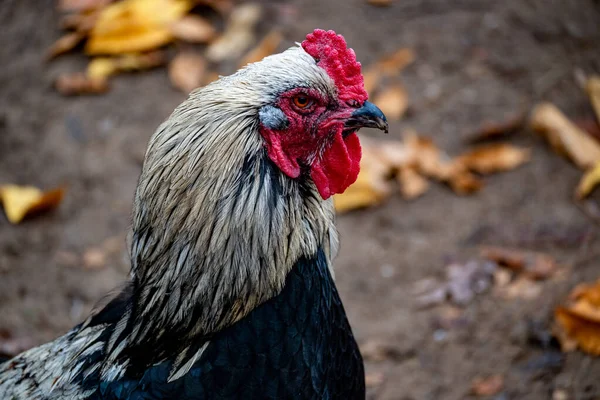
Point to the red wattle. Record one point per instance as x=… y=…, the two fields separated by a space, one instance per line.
x=338 y=167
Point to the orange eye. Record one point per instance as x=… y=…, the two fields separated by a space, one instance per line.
x=302 y=101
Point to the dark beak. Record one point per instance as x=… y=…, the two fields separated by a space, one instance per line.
x=368 y=116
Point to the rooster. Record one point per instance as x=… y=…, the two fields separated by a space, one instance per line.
x=231 y=292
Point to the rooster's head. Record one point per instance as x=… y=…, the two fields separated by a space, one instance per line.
x=309 y=127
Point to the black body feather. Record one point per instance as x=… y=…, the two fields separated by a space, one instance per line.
x=298 y=345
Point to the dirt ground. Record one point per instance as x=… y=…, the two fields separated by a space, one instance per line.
x=477 y=60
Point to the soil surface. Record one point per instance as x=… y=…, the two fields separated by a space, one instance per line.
x=478 y=60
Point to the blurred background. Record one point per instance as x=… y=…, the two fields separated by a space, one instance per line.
x=461 y=244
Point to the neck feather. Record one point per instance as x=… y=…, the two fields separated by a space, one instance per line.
x=217 y=227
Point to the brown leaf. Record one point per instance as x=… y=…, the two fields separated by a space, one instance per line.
x=131 y=26
x=488 y=386
x=592 y=88
x=564 y=136
x=589 y=181
x=238 y=36
x=21 y=202
x=412 y=184
x=266 y=47
x=531 y=264
x=80 y=22
x=394 y=63
x=493 y=158
x=372 y=76
x=65 y=44
x=186 y=71
x=578 y=323
x=389 y=65
x=496 y=129
x=590 y=126
x=464 y=183
x=78 y=83
x=193 y=29
x=393 y=101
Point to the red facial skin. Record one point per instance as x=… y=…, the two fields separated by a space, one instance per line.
x=313 y=138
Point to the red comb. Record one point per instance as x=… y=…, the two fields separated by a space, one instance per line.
x=331 y=53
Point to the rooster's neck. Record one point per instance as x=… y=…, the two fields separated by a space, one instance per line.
x=217 y=228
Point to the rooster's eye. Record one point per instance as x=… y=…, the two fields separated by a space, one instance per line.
x=302 y=101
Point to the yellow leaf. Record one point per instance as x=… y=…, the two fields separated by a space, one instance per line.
x=492 y=158
x=371 y=186
x=589 y=181
x=368 y=190
x=101 y=68
x=135 y=25
x=393 y=101
x=593 y=89
x=564 y=136
x=22 y=201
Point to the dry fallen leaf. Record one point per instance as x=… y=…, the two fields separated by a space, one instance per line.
x=369 y=189
x=65 y=44
x=578 y=323
x=397 y=61
x=393 y=101
x=412 y=184
x=101 y=68
x=186 y=71
x=266 y=47
x=496 y=129
x=80 y=22
x=389 y=65
x=488 y=386
x=238 y=36
x=589 y=181
x=78 y=83
x=135 y=25
x=23 y=201
x=493 y=158
x=193 y=29
x=533 y=265
x=592 y=87
x=564 y=136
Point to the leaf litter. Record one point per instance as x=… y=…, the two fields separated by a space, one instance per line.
x=513 y=273
x=415 y=160
x=577 y=323
x=123 y=36
x=21 y=202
